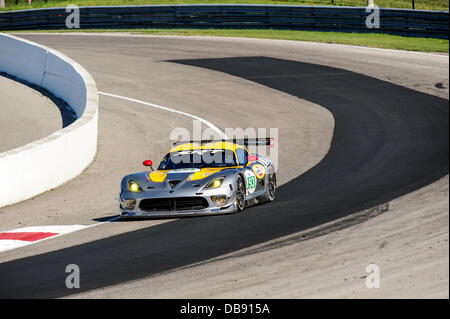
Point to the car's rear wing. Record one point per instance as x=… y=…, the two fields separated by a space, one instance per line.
x=241 y=141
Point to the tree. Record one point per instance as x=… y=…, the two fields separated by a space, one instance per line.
x=2 y=3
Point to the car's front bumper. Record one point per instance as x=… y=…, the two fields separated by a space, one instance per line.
x=173 y=214
x=211 y=209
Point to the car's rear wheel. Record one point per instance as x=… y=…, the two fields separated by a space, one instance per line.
x=240 y=194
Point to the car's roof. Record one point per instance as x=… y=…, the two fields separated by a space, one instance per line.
x=213 y=145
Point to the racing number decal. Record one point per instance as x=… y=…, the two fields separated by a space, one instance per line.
x=251 y=181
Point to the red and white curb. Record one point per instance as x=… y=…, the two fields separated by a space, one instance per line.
x=30 y=235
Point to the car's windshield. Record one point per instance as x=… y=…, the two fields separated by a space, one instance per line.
x=198 y=159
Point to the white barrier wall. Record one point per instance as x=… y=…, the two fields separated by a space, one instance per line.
x=49 y=162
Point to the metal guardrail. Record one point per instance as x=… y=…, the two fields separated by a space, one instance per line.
x=403 y=22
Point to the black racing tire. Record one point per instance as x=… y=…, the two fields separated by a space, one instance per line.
x=271 y=185
x=240 y=193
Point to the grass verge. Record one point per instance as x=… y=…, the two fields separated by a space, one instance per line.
x=385 y=41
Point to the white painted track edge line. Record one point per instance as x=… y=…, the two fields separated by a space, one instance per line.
x=207 y=123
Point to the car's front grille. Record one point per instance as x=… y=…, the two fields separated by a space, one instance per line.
x=173 y=204
x=155 y=204
x=190 y=203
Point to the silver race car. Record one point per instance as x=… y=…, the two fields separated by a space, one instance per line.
x=200 y=178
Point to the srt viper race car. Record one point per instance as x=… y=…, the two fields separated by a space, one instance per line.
x=200 y=178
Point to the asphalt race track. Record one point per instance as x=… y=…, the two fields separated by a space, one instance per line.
x=355 y=133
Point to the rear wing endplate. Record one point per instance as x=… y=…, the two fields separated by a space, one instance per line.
x=241 y=141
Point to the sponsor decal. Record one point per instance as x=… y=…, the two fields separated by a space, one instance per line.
x=259 y=171
x=184 y=170
x=198 y=152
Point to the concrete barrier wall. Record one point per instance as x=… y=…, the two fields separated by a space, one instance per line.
x=49 y=162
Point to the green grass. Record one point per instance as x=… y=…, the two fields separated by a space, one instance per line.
x=370 y=40
x=360 y=39
x=419 y=4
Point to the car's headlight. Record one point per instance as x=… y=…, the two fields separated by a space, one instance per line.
x=134 y=187
x=215 y=183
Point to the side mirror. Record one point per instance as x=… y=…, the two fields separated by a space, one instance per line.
x=148 y=163
x=252 y=158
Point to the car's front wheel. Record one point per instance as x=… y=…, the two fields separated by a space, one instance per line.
x=269 y=194
x=271 y=185
x=240 y=194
